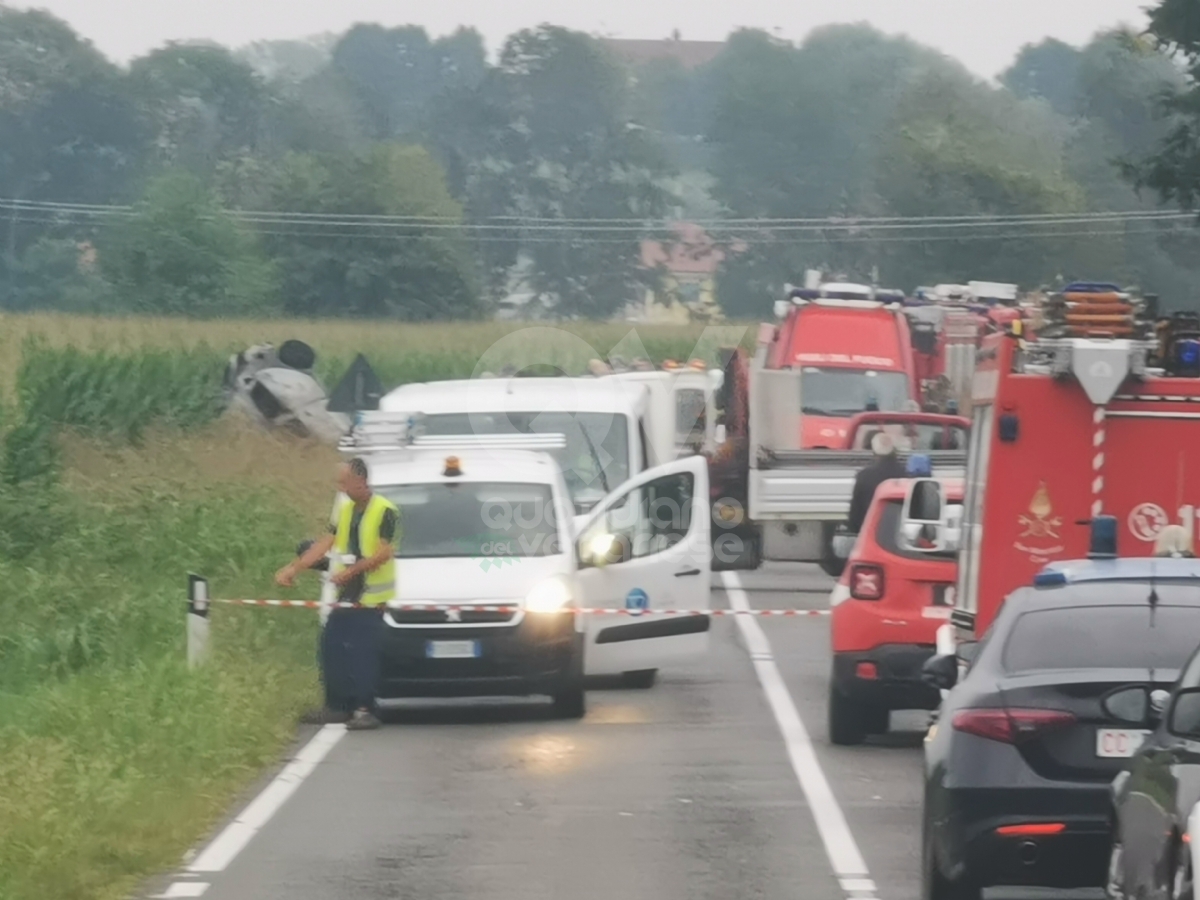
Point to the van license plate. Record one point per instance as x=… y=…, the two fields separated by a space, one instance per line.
x=452 y=649
x=1118 y=743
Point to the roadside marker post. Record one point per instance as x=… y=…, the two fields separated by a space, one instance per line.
x=197 y=621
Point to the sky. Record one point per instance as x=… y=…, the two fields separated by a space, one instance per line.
x=983 y=34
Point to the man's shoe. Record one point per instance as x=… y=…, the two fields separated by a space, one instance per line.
x=363 y=720
x=325 y=716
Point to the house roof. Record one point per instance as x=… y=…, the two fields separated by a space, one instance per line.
x=692 y=253
x=690 y=54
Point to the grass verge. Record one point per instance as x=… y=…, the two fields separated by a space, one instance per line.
x=114 y=758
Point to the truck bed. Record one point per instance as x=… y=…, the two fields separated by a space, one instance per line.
x=816 y=485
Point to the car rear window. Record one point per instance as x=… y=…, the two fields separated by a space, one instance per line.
x=1114 y=637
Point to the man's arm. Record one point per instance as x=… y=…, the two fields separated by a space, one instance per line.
x=318 y=551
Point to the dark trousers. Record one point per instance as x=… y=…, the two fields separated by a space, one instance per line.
x=350 y=658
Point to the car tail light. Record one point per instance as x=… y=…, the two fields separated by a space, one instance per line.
x=866 y=582
x=1010 y=726
x=1032 y=829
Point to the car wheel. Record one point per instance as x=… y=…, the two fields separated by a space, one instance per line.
x=571 y=703
x=847 y=720
x=643 y=679
x=934 y=885
x=1114 y=885
x=1181 y=882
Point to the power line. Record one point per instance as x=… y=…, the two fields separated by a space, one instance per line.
x=629 y=225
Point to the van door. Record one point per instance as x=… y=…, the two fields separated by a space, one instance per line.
x=647 y=547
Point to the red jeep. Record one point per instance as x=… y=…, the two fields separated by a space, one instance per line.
x=896 y=590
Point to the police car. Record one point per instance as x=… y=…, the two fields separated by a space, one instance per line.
x=489 y=521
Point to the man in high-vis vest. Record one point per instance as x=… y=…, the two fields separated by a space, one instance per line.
x=363 y=534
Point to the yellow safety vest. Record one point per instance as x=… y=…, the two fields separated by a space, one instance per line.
x=380 y=587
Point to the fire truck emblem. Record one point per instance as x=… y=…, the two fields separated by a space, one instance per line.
x=1147 y=520
x=1041 y=521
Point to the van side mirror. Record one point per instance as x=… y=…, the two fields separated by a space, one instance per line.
x=602 y=550
x=940 y=672
x=719 y=435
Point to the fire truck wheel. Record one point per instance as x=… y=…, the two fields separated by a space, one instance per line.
x=847 y=720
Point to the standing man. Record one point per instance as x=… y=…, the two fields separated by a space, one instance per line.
x=887 y=465
x=363 y=534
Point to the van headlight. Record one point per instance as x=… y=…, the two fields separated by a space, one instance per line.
x=549 y=596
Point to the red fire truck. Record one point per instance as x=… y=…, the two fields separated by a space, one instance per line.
x=1099 y=415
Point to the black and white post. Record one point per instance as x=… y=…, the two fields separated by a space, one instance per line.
x=197 y=621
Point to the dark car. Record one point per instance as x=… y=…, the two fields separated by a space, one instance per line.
x=1156 y=800
x=1020 y=762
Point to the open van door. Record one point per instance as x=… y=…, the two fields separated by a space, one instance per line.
x=645 y=547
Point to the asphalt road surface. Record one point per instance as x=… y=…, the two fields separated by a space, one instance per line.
x=716 y=784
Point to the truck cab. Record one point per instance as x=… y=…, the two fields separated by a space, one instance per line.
x=852 y=353
x=602 y=420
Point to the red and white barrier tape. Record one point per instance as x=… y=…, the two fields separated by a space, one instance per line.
x=416 y=607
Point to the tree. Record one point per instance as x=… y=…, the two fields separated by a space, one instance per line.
x=1049 y=70
x=549 y=136
x=1173 y=170
x=396 y=73
x=181 y=254
x=70 y=133
x=422 y=271
x=203 y=105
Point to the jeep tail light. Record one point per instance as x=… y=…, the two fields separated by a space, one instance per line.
x=866 y=582
x=1010 y=726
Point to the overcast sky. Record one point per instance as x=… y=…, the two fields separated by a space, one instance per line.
x=984 y=34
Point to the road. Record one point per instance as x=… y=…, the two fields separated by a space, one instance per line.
x=685 y=791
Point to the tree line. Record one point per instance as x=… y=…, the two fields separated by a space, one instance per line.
x=386 y=173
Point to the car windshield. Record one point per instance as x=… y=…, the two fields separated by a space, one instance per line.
x=475 y=519
x=913 y=436
x=594 y=461
x=1114 y=637
x=847 y=392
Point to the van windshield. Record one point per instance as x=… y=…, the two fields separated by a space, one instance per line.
x=847 y=392
x=475 y=519
x=595 y=460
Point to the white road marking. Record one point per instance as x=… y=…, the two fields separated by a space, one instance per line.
x=182 y=889
x=230 y=842
x=844 y=856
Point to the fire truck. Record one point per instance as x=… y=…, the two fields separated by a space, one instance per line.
x=839 y=351
x=1099 y=415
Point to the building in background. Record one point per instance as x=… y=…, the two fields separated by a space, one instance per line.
x=686 y=283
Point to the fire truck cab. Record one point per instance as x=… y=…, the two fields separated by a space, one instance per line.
x=1098 y=416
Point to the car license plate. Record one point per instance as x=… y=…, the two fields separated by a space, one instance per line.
x=1118 y=743
x=452 y=649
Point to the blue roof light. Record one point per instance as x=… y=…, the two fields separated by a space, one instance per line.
x=1049 y=579
x=1187 y=354
x=919 y=466
x=1103 y=544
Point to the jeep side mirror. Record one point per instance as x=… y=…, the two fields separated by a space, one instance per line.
x=1183 y=718
x=1128 y=705
x=940 y=672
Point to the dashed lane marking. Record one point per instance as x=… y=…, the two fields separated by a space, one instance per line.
x=844 y=856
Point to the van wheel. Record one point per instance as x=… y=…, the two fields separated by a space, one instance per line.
x=643 y=679
x=571 y=703
x=847 y=720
